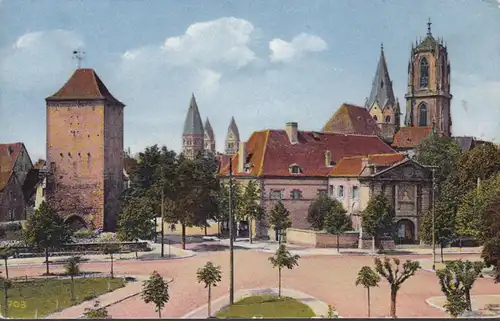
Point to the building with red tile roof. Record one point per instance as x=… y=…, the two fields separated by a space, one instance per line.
x=351 y=119
x=408 y=138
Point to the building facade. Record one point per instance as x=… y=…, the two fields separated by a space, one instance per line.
x=85 y=152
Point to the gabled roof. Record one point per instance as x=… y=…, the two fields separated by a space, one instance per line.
x=193 y=124
x=410 y=137
x=353 y=166
x=209 y=130
x=350 y=119
x=84 y=84
x=270 y=152
x=233 y=128
x=382 y=91
x=8 y=157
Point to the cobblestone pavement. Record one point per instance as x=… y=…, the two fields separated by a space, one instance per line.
x=328 y=278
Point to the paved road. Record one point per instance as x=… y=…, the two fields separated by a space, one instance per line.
x=328 y=278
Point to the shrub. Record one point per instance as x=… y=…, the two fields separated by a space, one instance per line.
x=83 y=234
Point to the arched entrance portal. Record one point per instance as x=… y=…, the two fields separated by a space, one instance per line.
x=406 y=231
x=75 y=223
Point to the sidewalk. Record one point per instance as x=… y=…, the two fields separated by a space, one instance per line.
x=483 y=306
x=319 y=308
x=155 y=254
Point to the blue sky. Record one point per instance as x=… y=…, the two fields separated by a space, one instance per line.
x=264 y=62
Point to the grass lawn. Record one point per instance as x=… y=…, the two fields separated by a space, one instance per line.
x=267 y=306
x=42 y=294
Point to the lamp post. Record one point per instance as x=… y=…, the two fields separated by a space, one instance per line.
x=162 y=215
x=433 y=219
x=231 y=223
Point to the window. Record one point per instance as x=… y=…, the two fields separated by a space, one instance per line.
x=322 y=192
x=424 y=73
x=43 y=192
x=296 y=194
x=355 y=192
x=422 y=115
x=341 y=191
x=295 y=169
x=375 y=118
x=332 y=190
x=276 y=194
x=387 y=119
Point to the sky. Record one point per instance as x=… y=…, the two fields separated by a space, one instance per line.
x=264 y=62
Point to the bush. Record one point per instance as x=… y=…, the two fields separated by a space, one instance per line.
x=83 y=234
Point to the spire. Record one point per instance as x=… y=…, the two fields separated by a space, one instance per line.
x=429 y=23
x=233 y=128
x=208 y=129
x=382 y=91
x=193 y=124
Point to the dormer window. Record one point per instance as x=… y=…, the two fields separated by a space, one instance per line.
x=248 y=168
x=295 y=169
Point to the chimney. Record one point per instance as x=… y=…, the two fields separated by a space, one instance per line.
x=291 y=130
x=242 y=157
x=328 y=158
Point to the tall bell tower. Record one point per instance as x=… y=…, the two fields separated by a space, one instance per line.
x=428 y=98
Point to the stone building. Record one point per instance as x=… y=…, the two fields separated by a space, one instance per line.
x=85 y=152
x=232 y=138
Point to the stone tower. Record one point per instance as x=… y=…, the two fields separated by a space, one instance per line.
x=232 y=138
x=209 y=137
x=193 y=134
x=85 y=152
x=428 y=98
x=381 y=104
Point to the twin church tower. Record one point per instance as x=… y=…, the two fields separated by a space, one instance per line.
x=197 y=137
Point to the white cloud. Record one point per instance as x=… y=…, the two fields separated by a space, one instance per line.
x=300 y=44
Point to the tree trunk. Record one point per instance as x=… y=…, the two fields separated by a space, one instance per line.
x=209 y=299
x=373 y=245
x=368 y=288
x=6 y=300
x=183 y=236
x=338 y=245
x=112 y=274
x=72 y=289
x=393 y=303
x=205 y=231
x=279 y=282
x=467 y=299
x=250 y=230
x=159 y=312
x=47 y=260
x=442 y=257
x=6 y=268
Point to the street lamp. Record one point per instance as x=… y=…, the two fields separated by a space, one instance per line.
x=433 y=219
x=231 y=223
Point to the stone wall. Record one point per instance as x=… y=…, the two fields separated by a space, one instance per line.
x=320 y=239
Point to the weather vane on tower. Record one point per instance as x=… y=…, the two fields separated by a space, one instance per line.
x=79 y=55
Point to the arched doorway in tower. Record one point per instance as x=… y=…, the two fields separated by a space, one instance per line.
x=75 y=223
x=406 y=231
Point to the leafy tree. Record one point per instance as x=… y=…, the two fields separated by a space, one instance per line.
x=250 y=208
x=5 y=253
x=367 y=278
x=464 y=273
x=211 y=276
x=318 y=210
x=135 y=221
x=377 y=218
x=336 y=221
x=454 y=291
x=279 y=218
x=283 y=258
x=45 y=229
x=155 y=290
x=491 y=256
x=480 y=162
x=111 y=249
x=443 y=152
x=72 y=268
x=97 y=312
x=394 y=276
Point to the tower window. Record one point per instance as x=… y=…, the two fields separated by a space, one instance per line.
x=424 y=73
x=387 y=119
x=375 y=118
x=422 y=115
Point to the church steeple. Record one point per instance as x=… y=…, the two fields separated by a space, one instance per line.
x=209 y=137
x=232 y=138
x=193 y=133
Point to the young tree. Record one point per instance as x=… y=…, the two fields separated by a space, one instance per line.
x=444 y=226
x=283 y=258
x=394 y=276
x=211 y=276
x=135 y=221
x=97 y=312
x=279 y=218
x=111 y=249
x=318 y=210
x=5 y=253
x=378 y=217
x=367 y=278
x=465 y=273
x=250 y=208
x=336 y=221
x=72 y=268
x=45 y=229
x=454 y=291
x=155 y=290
